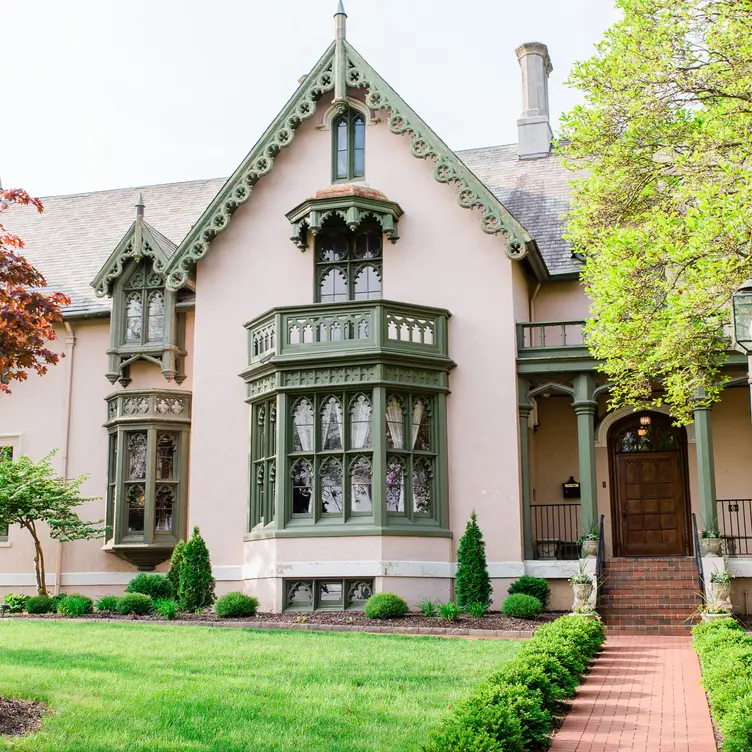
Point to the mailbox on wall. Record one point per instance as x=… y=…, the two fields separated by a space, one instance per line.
x=571 y=489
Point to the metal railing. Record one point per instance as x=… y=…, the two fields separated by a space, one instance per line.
x=735 y=526
x=599 y=562
x=542 y=334
x=698 y=555
x=556 y=528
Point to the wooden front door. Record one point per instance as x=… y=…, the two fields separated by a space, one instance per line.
x=650 y=497
x=651 y=504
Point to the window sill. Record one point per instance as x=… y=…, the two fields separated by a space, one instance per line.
x=345 y=530
x=5 y=544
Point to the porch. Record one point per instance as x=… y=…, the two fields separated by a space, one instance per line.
x=579 y=460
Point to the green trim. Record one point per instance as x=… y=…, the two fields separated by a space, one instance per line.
x=705 y=465
x=585 y=408
x=350 y=118
x=524 y=409
x=344 y=531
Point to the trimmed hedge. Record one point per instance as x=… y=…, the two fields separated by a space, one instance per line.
x=135 y=603
x=39 y=604
x=385 y=606
x=521 y=606
x=154 y=585
x=512 y=710
x=236 y=605
x=535 y=586
x=725 y=653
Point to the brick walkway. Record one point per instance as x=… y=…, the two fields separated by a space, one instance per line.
x=643 y=694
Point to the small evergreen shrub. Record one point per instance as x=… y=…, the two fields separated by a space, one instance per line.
x=725 y=653
x=521 y=606
x=477 y=610
x=16 y=602
x=154 y=585
x=472 y=584
x=57 y=600
x=167 y=608
x=427 y=608
x=196 y=589
x=107 y=604
x=385 y=606
x=75 y=604
x=513 y=710
x=174 y=574
x=236 y=605
x=449 y=611
x=39 y=604
x=135 y=603
x=535 y=586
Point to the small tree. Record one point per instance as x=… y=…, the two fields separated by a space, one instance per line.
x=473 y=585
x=173 y=575
x=196 y=590
x=31 y=493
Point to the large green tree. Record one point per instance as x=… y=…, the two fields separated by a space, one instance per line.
x=664 y=214
x=34 y=496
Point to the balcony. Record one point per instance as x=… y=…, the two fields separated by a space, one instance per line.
x=552 y=345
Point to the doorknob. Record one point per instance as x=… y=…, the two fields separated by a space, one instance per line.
x=624 y=513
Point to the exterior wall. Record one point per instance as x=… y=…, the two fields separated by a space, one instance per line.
x=561 y=301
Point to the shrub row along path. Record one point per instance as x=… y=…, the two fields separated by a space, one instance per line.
x=644 y=694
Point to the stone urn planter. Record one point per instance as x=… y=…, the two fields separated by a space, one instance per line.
x=714 y=617
x=720 y=592
x=582 y=593
x=589 y=548
x=592 y=615
x=710 y=546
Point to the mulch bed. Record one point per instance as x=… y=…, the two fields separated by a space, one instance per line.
x=491 y=621
x=18 y=717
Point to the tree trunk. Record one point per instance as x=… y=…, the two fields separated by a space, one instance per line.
x=39 y=569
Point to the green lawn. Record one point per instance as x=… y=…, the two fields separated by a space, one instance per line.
x=153 y=687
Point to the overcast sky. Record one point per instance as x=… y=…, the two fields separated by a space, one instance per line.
x=103 y=94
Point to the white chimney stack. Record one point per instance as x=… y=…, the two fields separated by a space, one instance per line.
x=534 y=127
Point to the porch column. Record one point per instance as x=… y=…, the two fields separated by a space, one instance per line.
x=524 y=409
x=585 y=407
x=705 y=464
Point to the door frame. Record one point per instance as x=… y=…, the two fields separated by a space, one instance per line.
x=617 y=524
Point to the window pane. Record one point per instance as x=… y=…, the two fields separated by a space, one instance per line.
x=156 y=317
x=133 y=317
x=332 y=247
x=360 y=423
x=367 y=284
x=395 y=485
x=302 y=487
x=360 y=133
x=333 y=287
x=331 y=487
x=342 y=165
x=165 y=503
x=342 y=171
x=331 y=424
x=167 y=446
x=422 y=487
x=361 y=486
x=395 y=424
x=135 y=501
x=421 y=434
x=136 y=456
x=359 y=168
x=302 y=427
x=368 y=245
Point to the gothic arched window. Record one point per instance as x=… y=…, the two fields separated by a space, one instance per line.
x=144 y=307
x=349 y=146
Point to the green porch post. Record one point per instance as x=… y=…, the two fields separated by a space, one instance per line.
x=585 y=407
x=705 y=464
x=525 y=408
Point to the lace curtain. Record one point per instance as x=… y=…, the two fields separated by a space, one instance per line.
x=419 y=416
x=302 y=433
x=360 y=423
x=331 y=424
x=395 y=423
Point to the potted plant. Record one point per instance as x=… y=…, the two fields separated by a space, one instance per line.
x=582 y=585
x=586 y=612
x=588 y=543
x=710 y=542
x=720 y=588
x=710 y=612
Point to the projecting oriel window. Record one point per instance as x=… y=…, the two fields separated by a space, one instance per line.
x=349 y=147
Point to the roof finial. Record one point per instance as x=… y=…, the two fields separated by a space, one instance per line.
x=140 y=206
x=340 y=20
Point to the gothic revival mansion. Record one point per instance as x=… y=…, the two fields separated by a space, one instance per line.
x=328 y=360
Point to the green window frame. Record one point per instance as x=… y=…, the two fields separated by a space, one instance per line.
x=330 y=456
x=349 y=265
x=327 y=594
x=6 y=455
x=263 y=463
x=348 y=146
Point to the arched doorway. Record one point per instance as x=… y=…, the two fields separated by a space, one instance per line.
x=650 y=495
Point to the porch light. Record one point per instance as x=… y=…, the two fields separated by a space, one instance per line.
x=645 y=420
x=642 y=431
x=742 y=309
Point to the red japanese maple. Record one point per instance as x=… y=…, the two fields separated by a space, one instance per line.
x=27 y=313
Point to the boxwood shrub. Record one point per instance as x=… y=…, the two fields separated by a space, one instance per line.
x=236 y=605
x=521 y=606
x=39 y=604
x=512 y=710
x=135 y=603
x=385 y=606
x=535 y=586
x=154 y=585
x=725 y=653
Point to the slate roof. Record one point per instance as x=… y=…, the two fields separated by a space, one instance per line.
x=74 y=236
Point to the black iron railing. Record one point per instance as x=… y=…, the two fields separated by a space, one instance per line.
x=599 y=562
x=556 y=528
x=735 y=525
x=698 y=555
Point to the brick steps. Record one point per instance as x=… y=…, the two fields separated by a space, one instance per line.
x=650 y=596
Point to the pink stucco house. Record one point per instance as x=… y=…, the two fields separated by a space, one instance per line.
x=329 y=359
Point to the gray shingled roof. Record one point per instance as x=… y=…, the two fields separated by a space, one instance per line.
x=74 y=236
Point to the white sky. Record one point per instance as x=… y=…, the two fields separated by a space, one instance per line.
x=103 y=94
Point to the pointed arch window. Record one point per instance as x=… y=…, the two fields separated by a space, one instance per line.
x=349 y=146
x=144 y=307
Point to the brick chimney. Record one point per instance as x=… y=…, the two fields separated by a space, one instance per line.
x=534 y=127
